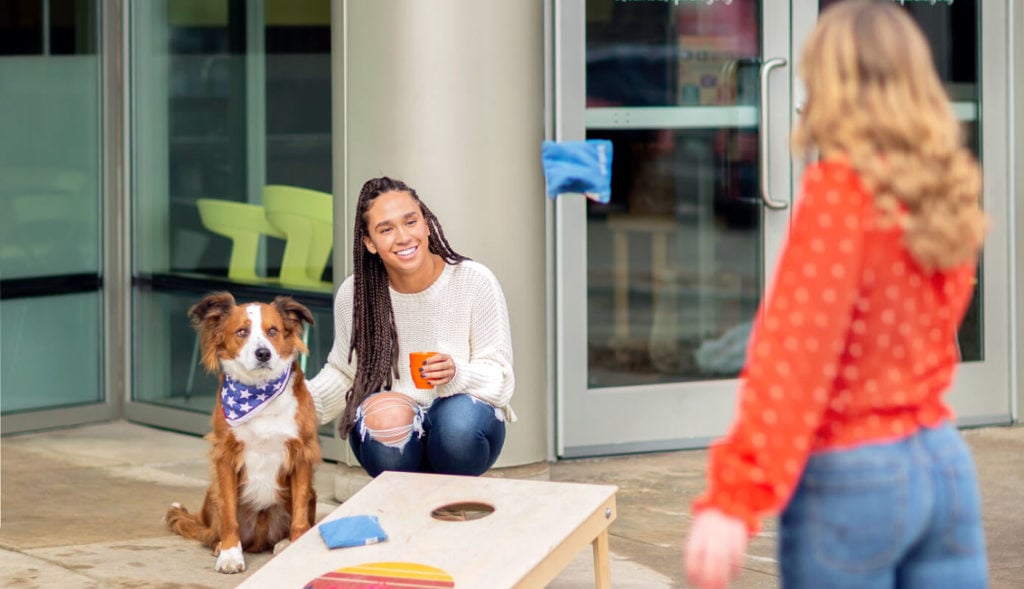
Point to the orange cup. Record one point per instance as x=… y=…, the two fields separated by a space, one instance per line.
x=415 y=363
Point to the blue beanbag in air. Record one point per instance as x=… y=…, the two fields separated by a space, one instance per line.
x=580 y=167
x=356 y=530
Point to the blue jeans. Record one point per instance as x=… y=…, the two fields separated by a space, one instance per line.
x=904 y=514
x=460 y=435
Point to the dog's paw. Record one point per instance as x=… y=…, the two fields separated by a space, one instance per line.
x=281 y=545
x=230 y=560
x=173 y=512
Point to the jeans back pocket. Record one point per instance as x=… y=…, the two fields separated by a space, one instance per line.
x=857 y=514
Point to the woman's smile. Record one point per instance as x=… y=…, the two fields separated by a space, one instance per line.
x=396 y=231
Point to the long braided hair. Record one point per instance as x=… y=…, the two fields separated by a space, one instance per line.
x=376 y=349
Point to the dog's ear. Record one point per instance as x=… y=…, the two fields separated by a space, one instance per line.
x=211 y=309
x=293 y=312
x=206 y=316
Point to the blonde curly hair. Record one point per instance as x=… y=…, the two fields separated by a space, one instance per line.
x=875 y=99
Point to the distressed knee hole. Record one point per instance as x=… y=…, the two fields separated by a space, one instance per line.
x=390 y=419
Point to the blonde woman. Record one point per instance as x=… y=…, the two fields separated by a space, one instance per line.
x=842 y=424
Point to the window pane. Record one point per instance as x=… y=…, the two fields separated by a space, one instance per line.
x=671 y=53
x=223 y=108
x=674 y=260
x=227 y=100
x=21 y=27
x=49 y=195
x=32 y=326
x=50 y=205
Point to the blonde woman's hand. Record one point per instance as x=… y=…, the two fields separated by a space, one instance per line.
x=715 y=549
x=439 y=369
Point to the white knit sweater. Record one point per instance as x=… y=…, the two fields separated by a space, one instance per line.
x=463 y=314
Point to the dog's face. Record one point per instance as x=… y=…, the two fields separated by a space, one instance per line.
x=251 y=343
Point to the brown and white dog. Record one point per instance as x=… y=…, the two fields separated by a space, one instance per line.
x=264 y=430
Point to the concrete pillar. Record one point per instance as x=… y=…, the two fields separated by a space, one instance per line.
x=448 y=96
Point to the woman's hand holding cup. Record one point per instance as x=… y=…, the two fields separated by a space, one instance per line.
x=430 y=369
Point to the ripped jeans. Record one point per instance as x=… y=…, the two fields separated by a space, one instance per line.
x=456 y=435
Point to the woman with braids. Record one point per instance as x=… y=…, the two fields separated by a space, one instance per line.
x=841 y=423
x=411 y=292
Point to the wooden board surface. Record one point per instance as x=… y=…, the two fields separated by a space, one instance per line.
x=535 y=525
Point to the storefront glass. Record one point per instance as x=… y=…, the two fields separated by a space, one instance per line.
x=51 y=343
x=675 y=259
x=230 y=102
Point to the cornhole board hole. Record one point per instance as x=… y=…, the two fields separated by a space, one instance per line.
x=483 y=532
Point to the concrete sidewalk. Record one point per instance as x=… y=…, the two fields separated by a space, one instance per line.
x=82 y=507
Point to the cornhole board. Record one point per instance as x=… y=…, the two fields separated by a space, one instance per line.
x=534 y=532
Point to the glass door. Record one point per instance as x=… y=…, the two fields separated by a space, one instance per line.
x=662 y=283
x=656 y=290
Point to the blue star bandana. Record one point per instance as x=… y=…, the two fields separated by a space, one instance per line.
x=582 y=167
x=241 y=401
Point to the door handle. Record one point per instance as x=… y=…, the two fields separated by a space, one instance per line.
x=766 y=196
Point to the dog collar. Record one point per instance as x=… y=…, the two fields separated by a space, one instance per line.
x=241 y=401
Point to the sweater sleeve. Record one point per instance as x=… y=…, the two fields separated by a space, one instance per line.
x=487 y=374
x=794 y=352
x=329 y=387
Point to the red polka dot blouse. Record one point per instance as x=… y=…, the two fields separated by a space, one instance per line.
x=855 y=344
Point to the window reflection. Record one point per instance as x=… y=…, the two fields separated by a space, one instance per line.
x=245 y=109
x=668 y=54
x=674 y=260
x=50 y=204
x=231 y=151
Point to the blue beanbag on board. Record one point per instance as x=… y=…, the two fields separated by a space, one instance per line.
x=356 y=530
x=583 y=167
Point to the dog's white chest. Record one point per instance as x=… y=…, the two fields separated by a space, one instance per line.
x=265 y=437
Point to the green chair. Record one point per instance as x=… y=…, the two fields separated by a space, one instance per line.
x=242 y=223
x=302 y=217
x=305 y=217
